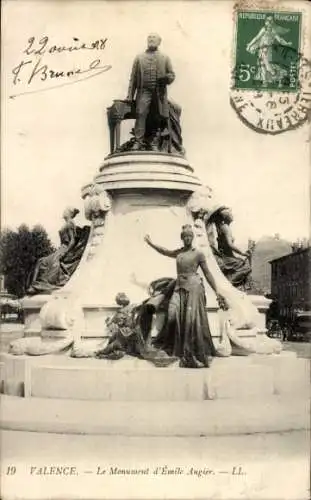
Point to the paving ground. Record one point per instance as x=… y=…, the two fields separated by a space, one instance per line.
x=303 y=349
x=262 y=466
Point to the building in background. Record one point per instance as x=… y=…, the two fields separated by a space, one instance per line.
x=266 y=249
x=291 y=281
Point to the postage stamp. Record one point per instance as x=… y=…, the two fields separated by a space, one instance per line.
x=261 y=59
x=271 y=77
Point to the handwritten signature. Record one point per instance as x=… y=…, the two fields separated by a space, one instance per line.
x=36 y=69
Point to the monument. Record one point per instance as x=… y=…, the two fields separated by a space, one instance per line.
x=148 y=182
x=145 y=185
x=126 y=300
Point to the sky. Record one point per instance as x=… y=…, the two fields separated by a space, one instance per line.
x=54 y=141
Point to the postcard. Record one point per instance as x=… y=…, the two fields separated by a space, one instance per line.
x=155 y=249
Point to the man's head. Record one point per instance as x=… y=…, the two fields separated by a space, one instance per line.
x=153 y=41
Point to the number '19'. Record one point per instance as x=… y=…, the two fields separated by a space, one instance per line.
x=11 y=470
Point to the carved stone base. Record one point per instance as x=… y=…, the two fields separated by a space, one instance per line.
x=96 y=314
x=131 y=379
x=32 y=307
x=149 y=192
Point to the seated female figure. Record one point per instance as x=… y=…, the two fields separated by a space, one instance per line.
x=228 y=255
x=54 y=270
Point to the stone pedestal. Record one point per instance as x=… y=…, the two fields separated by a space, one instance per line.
x=31 y=307
x=149 y=193
x=132 y=379
x=95 y=314
x=262 y=304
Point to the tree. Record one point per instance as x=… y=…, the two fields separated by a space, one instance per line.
x=19 y=252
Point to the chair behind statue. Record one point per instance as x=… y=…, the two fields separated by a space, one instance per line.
x=119 y=111
x=125 y=110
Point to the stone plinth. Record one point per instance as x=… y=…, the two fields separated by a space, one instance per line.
x=31 y=307
x=149 y=194
x=96 y=313
x=219 y=417
x=262 y=304
x=146 y=170
x=132 y=379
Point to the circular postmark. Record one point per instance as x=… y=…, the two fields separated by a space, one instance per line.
x=274 y=111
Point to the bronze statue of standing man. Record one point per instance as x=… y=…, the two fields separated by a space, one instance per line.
x=151 y=73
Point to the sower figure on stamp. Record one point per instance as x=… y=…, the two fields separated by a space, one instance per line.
x=263 y=44
x=151 y=73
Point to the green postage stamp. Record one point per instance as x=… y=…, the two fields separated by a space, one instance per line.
x=267 y=51
x=271 y=77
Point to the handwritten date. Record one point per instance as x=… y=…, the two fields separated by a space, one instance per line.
x=42 y=46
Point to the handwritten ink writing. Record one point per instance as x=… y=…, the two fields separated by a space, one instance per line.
x=41 y=46
x=43 y=72
x=37 y=68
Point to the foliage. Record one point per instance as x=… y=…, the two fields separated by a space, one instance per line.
x=19 y=252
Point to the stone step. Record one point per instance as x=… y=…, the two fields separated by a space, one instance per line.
x=131 y=379
x=155 y=418
x=291 y=375
x=152 y=384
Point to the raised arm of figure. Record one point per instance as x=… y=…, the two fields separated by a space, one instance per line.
x=251 y=44
x=161 y=250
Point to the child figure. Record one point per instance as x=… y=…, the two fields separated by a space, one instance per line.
x=131 y=330
x=122 y=329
